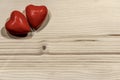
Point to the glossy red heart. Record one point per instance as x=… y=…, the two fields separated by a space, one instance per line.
x=17 y=24
x=36 y=15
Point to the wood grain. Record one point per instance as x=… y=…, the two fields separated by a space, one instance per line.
x=59 y=67
x=80 y=40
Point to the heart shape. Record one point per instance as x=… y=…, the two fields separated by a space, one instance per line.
x=36 y=15
x=17 y=24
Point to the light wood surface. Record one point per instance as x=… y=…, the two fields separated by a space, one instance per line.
x=80 y=40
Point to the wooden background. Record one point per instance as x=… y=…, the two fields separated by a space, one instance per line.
x=80 y=40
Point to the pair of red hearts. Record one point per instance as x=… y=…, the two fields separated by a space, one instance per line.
x=19 y=25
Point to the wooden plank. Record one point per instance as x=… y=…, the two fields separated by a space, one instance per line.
x=47 y=67
x=55 y=62
x=65 y=45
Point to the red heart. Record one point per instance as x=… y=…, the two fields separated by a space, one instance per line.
x=36 y=15
x=17 y=24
